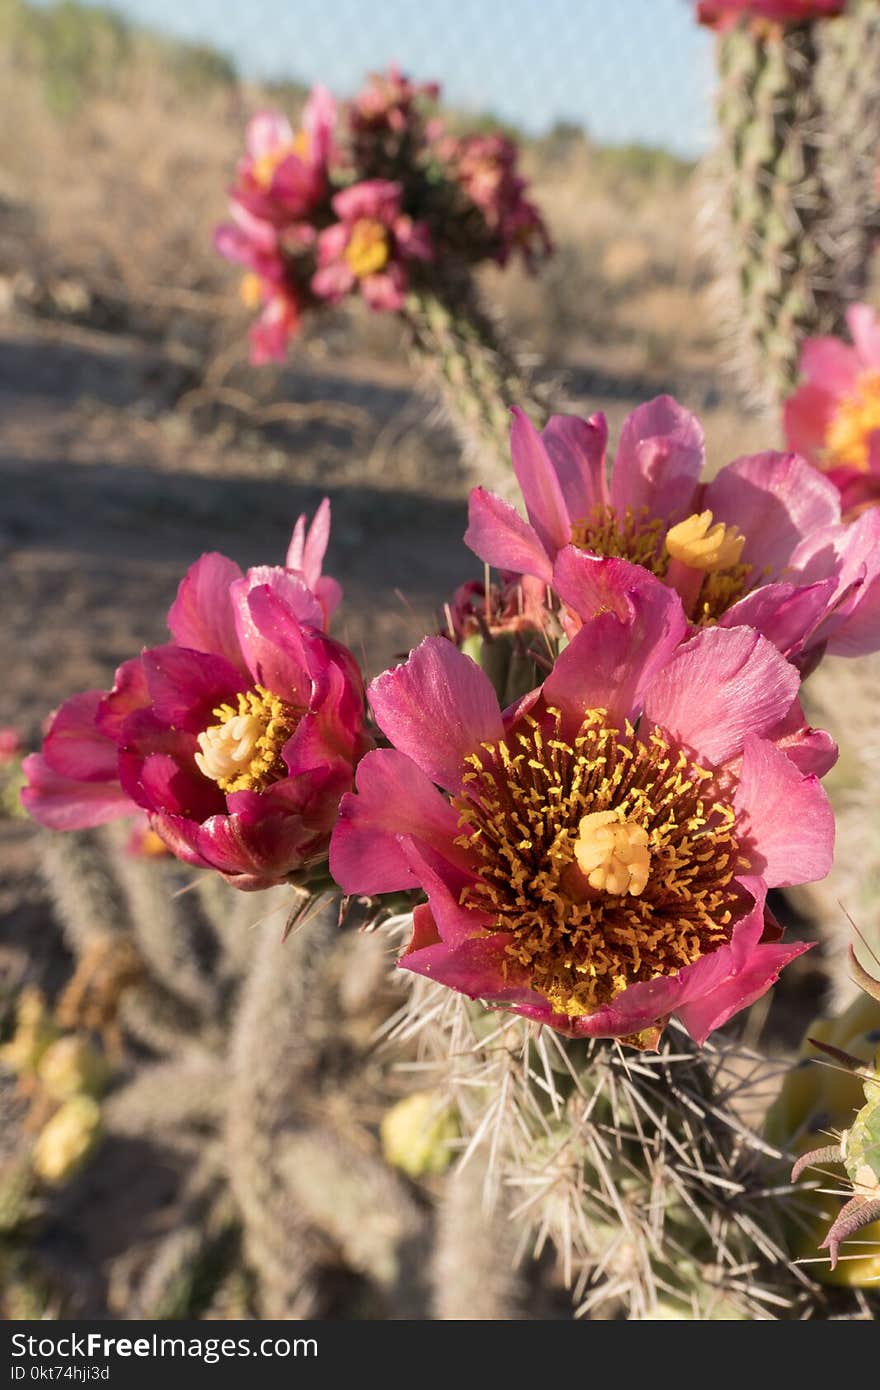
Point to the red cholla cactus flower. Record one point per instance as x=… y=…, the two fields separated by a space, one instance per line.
x=761 y=545
x=722 y=14
x=237 y=738
x=485 y=166
x=285 y=174
x=390 y=102
x=833 y=419
x=596 y=856
x=369 y=247
x=10 y=744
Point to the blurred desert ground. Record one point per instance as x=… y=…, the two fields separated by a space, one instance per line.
x=134 y=436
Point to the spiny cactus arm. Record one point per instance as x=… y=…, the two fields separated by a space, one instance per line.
x=274 y=1059
x=775 y=266
x=466 y=356
x=163 y=1099
x=85 y=895
x=164 y=922
x=473 y=1272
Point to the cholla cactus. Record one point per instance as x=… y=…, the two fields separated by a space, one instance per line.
x=769 y=235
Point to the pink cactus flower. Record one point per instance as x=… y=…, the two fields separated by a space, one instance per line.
x=390 y=101
x=722 y=14
x=762 y=545
x=284 y=174
x=486 y=168
x=833 y=419
x=237 y=738
x=369 y=246
x=597 y=856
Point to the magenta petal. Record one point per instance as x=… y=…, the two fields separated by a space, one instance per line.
x=784 y=818
x=160 y=783
x=185 y=685
x=272 y=639
x=577 y=452
x=807 y=415
x=785 y=614
x=74 y=746
x=201 y=616
x=445 y=884
x=252 y=851
x=438 y=707
x=266 y=132
x=659 y=461
x=775 y=500
x=702 y=1016
x=721 y=686
x=811 y=750
x=130 y=693
x=475 y=968
x=635 y=625
x=394 y=798
x=539 y=484
x=497 y=534
x=64 y=803
x=308 y=547
x=830 y=363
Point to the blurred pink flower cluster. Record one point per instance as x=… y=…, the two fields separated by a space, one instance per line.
x=360 y=199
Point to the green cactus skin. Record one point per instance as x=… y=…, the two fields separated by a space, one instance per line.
x=849 y=87
x=465 y=355
x=771 y=248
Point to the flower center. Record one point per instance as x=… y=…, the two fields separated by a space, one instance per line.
x=612 y=853
x=243 y=751
x=714 y=580
x=608 y=859
x=368 y=249
x=632 y=537
x=848 y=436
x=264 y=166
x=697 y=543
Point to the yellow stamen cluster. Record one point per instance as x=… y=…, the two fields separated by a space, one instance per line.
x=251 y=290
x=539 y=812
x=715 y=550
x=848 y=436
x=264 y=166
x=700 y=545
x=634 y=537
x=368 y=248
x=243 y=751
x=613 y=853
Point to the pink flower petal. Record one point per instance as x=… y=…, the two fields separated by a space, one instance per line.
x=659 y=461
x=186 y=686
x=831 y=364
x=721 y=686
x=478 y=968
x=618 y=652
x=539 y=484
x=75 y=747
x=775 y=500
x=703 y=1015
x=266 y=132
x=806 y=416
x=865 y=332
x=497 y=534
x=785 y=818
x=786 y=614
x=65 y=803
x=576 y=449
x=393 y=798
x=438 y=707
x=308 y=547
x=130 y=693
x=202 y=616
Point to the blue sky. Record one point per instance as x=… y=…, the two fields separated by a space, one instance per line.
x=626 y=69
